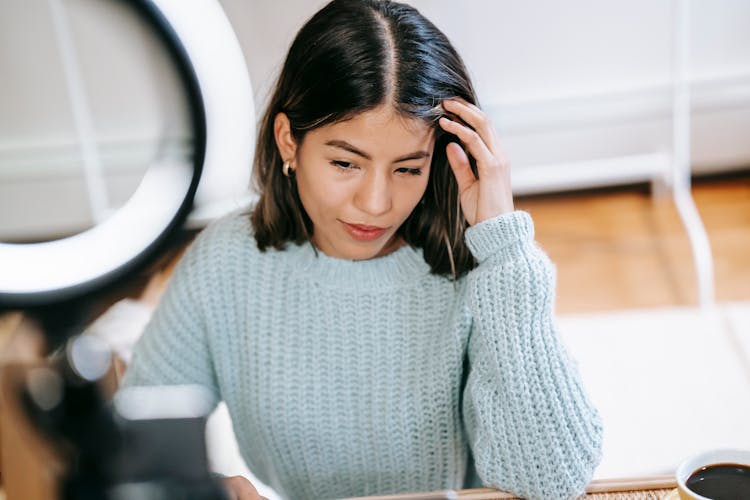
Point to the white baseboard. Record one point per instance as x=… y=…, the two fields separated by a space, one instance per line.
x=582 y=141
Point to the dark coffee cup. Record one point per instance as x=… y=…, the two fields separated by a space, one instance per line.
x=715 y=475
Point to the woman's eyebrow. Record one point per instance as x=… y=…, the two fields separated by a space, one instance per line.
x=348 y=147
x=417 y=155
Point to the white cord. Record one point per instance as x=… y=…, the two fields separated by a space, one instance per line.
x=96 y=188
x=680 y=181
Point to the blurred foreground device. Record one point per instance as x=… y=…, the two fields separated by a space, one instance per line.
x=148 y=444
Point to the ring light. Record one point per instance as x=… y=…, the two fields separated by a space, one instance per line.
x=210 y=63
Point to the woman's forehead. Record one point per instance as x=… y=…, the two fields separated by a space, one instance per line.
x=382 y=128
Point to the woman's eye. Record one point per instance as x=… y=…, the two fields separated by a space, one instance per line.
x=344 y=165
x=410 y=171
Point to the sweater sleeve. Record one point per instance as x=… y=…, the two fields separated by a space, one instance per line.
x=531 y=428
x=173 y=349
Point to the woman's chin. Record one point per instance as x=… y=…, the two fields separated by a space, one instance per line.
x=362 y=252
x=357 y=250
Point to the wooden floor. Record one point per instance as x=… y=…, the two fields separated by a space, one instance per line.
x=622 y=249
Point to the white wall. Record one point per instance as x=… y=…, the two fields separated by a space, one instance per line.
x=567 y=81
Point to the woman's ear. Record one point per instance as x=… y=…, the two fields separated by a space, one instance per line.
x=282 y=132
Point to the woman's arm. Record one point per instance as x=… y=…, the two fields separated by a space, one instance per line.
x=530 y=425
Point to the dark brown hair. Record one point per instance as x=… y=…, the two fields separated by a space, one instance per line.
x=350 y=57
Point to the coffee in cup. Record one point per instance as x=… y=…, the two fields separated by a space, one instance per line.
x=715 y=475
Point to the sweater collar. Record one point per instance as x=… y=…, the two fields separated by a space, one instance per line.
x=405 y=265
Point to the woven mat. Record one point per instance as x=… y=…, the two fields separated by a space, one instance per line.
x=646 y=494
x=630 y=495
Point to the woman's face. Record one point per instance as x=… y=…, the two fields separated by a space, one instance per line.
x=360 y=179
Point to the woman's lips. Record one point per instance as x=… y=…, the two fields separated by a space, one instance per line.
x=364 y=233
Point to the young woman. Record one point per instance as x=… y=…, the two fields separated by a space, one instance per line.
x=381 y=321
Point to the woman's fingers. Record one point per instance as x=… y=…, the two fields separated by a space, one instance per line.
x=460 y=165
x=239 y=488
x=474 y=118
x=486 y=161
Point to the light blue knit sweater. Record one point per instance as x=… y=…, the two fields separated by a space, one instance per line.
x=353 y=378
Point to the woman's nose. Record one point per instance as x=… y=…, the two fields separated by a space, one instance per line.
x=373 y=195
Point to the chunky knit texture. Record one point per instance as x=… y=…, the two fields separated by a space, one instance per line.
x=353 y=378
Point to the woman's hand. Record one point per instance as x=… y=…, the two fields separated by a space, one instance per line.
x=239 y=488
x=490 y=195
